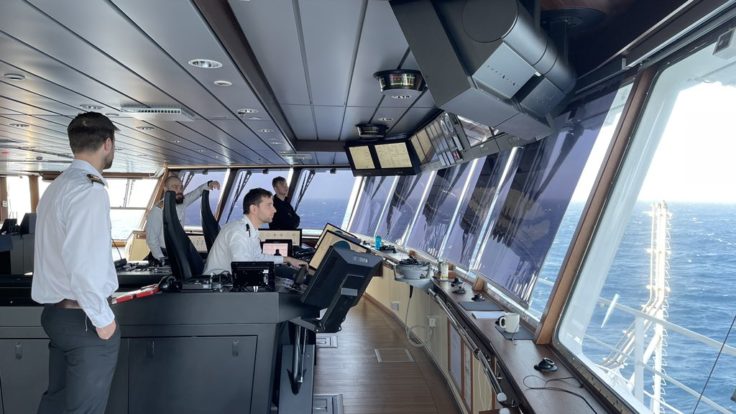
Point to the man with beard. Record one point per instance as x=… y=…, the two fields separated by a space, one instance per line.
x=74 y=274
x=155 y=223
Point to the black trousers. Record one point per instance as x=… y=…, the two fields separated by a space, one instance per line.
x=81 y=365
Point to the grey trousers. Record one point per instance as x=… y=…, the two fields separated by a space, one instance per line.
x=81 y=365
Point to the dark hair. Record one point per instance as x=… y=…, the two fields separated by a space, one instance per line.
x=278 y=180
x=88 y=131
x=254 y=197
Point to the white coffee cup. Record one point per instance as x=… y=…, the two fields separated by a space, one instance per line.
x=509 y=322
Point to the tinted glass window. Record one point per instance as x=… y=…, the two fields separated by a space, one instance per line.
x=373 y=198
x=433 y=222
x=474 y=209
x=403 y=207
x=194 y=179
x=326 y=198
x=247 y=180
x=540 y=192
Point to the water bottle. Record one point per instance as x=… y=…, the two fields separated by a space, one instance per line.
x=379 y=242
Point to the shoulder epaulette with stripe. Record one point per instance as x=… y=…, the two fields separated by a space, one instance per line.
x=95 y=179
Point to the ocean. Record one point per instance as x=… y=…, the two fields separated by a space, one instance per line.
x=702 y=280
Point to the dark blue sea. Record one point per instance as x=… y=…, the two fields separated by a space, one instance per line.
x=702 y=297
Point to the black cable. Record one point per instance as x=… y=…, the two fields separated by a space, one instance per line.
x=720 y=351
x=545 y=388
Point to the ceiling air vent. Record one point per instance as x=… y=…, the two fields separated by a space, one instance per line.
x=371 y=130
x=158 y=113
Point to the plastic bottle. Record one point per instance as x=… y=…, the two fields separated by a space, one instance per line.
x=379 y=242
x=444 y=270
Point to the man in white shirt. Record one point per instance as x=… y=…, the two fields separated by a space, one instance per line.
x=238 y=241
x=74 y=274
x=155 y=222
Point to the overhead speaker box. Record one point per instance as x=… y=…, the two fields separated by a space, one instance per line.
x=487 y=61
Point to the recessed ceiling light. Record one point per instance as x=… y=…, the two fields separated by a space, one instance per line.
x=18 y=125
x=145 y=128
x=90 y=107
x=255 y=118
x=176 y=141
x=111 y=114
x=274 y=142
x=205 y=63
x=385 y=119
x=201 y=150
x=243 y=111
x=265 y=130
x=223 y=83
x=400 y=96
x=14 y=76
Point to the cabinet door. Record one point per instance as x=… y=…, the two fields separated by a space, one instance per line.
x=191 y=375
x=23 y=374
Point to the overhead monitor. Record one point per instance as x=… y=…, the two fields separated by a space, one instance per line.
x=294 y=235
x=361 y=157
x=396 y=156
x=328 y=240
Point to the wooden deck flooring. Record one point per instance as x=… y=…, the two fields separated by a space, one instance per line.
x=368 y=386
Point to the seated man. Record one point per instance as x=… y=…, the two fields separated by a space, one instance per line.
x=155 y=222
x=285 y=217
x=238 y=241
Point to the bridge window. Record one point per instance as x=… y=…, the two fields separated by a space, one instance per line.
x=193 y=179
x=246 y=180
x=371 y=203
x=436 y=215
x=19 y=197
x=128 y=201
x=403 y=206
x=652 y=313
x=322 y=197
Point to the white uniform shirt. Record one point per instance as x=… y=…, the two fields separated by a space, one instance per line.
x=155 y=222
x=237 y=242
x=72 y=244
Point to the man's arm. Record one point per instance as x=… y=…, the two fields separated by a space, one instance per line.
x=193 y=195
x=154 y=228
x=87 y=257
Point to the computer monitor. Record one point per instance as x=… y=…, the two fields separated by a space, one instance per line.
x=328 y=240
x=276 y=247
x=253 y=275
x=343 y=271
x=294 y=235
x=8 y=225
x=333 y=228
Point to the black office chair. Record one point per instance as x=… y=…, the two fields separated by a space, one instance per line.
x=183 y=257
x=210 y=226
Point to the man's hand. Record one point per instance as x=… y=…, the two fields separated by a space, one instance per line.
x=106 y=332
x=214 y=185
x=294 y=262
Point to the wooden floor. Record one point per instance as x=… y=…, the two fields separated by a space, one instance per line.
x=368 y=386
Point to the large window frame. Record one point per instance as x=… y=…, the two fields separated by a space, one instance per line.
x=618 y=184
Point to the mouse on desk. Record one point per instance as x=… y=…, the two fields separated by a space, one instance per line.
x=477 y=298
x=459 y=291
x=546 y=365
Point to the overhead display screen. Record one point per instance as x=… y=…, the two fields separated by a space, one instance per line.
x=393 y=155
x=362 y=159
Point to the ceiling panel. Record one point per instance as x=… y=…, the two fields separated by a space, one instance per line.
x=411 y=119
x=330 y=57
x=329 y=122
x=302 y=121
x=271 y=29
x=382 y=46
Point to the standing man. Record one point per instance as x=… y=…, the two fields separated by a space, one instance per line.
x=285 y=217
x=238 y=241
x=74 y=274
x=155 y=222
